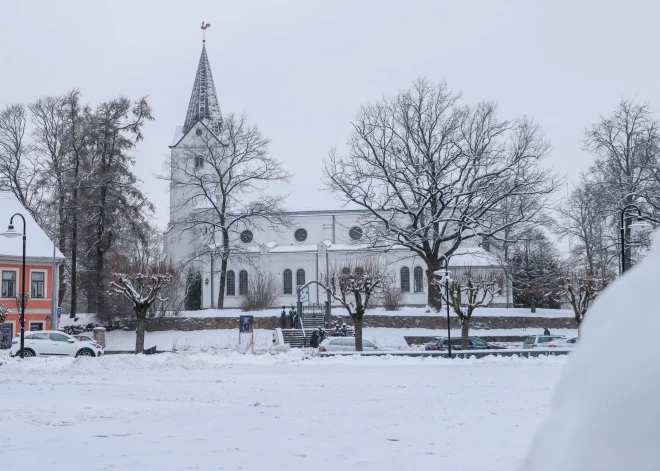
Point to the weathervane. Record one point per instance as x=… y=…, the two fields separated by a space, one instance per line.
x=204 y=26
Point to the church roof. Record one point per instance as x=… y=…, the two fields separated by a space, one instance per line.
x=204 y=104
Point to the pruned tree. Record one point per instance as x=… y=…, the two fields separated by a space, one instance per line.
x=4 y=312
x=224 y=179
x=262 y=291
x=355 y=283
x=432 y=173
x=141 y=291
x=470 y=289
x=580 y=288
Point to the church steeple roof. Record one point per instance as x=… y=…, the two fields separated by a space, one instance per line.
x=204 y=104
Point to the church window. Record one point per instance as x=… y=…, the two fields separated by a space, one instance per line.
x=300 y=235
x=288 y=282
x=246 y=236
x=198 y=132
x=355 y=233
x=405 y=280
x=199 y=162
x=242 y=283
x=231 y=283
x=300 y=277
x=419 y=279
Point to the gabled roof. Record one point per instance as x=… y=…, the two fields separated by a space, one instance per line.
x=37 y=243
x=204 y=104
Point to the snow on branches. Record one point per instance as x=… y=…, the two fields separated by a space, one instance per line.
x=4 y=312
x=580 y=288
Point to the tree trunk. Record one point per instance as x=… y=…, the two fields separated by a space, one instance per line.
x=532 y=304
x=74 y=250
x=357 y=323
x=465 y=333
x=139 y=330
x=435 y=290
x=223 y=271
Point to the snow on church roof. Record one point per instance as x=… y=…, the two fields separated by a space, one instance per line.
x=37 y=245
x=204 y=104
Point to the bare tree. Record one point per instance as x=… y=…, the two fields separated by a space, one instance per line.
x=433 y=174
x=580 y=288
x=262 y=291
x=18 y=170
x=470 y=289
x=354 y=283
x=141 y=291
x=224 y=180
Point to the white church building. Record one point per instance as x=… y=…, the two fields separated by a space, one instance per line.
x=310 y=244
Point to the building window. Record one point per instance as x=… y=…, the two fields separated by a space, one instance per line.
x=300 y=235
x=242 y=283
x=355 y=233
x=288 y=282
x=300 y=277
x=8 y=284
x=199 y=162
x=38 y=279
x=419 y=279
x=405 y=280
x=246 y=236
x=231 y=283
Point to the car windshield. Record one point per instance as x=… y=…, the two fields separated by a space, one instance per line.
x=479 y=342
x=433 y=342
x=530 y=340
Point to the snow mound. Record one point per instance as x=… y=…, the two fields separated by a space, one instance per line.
x=605 y=409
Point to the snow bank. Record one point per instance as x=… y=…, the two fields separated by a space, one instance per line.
x=605 y=410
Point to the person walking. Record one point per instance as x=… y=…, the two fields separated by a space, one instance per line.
x=546 y=331
x=292 y=318
x=314 y=339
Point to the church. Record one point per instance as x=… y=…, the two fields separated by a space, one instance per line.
x=309 y=246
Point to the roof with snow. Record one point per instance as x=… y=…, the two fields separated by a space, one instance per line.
x=204 y=104
x=473 y=257
x=37 y=245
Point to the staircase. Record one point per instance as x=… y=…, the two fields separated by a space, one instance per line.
x=313 y=321
x=310 y=321
x=294 y=337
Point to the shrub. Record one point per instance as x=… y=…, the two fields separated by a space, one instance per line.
x=263 y=290
x=392 y=298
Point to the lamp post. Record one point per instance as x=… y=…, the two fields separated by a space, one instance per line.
x=640 y=223
x=11 y=233
x=444 y=274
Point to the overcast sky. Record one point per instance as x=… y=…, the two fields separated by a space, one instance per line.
x=301 y=69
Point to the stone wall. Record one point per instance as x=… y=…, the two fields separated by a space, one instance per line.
x=156 y=324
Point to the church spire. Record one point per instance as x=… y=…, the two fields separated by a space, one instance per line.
x=204 y=104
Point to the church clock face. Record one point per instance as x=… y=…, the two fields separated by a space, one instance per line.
x=300 y=235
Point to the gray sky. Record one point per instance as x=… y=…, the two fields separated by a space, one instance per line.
x=301 y=69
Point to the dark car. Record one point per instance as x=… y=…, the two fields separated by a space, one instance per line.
x=475 y=343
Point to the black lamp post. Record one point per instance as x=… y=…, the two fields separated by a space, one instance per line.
x=445 y=275
x=640 y=223
x=11 y=233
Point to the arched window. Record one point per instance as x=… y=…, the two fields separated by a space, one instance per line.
x=288 y=282
x=231 y=283
x=242 y=283
x=405 y=280
x=300 y=277
x=418 y=275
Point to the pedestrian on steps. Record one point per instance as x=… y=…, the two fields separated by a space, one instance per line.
x=314 y=339
x=283 y=318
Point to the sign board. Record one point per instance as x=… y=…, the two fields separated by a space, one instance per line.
x=442 y=275
x=246 y=324
x=304 y=295
x=59 y=312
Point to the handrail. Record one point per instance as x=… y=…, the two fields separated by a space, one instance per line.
x=302 y=327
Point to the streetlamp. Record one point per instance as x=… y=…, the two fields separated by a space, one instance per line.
x=640 y=223
x=11 y=233
x=444 y=275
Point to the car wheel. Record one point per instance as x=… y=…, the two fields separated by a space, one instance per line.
x=85 y=352
x=27 y=354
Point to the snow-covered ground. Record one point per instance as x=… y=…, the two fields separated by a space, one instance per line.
x=286 y=411
x=210 y=340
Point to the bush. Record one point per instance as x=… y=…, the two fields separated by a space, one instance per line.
x=392 y=298
x=82 y=328
x=263 y=290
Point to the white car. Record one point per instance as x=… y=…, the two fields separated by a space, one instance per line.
x=563 y=343
x=344 y=344
x=50 y=343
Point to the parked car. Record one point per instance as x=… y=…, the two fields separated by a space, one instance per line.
x=563 y=343
x=541 y=341
x=344 y=344
x=45 y=343
x=475 y=343
x=84 y=338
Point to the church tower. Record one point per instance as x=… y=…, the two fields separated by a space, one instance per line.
x=202 y=118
